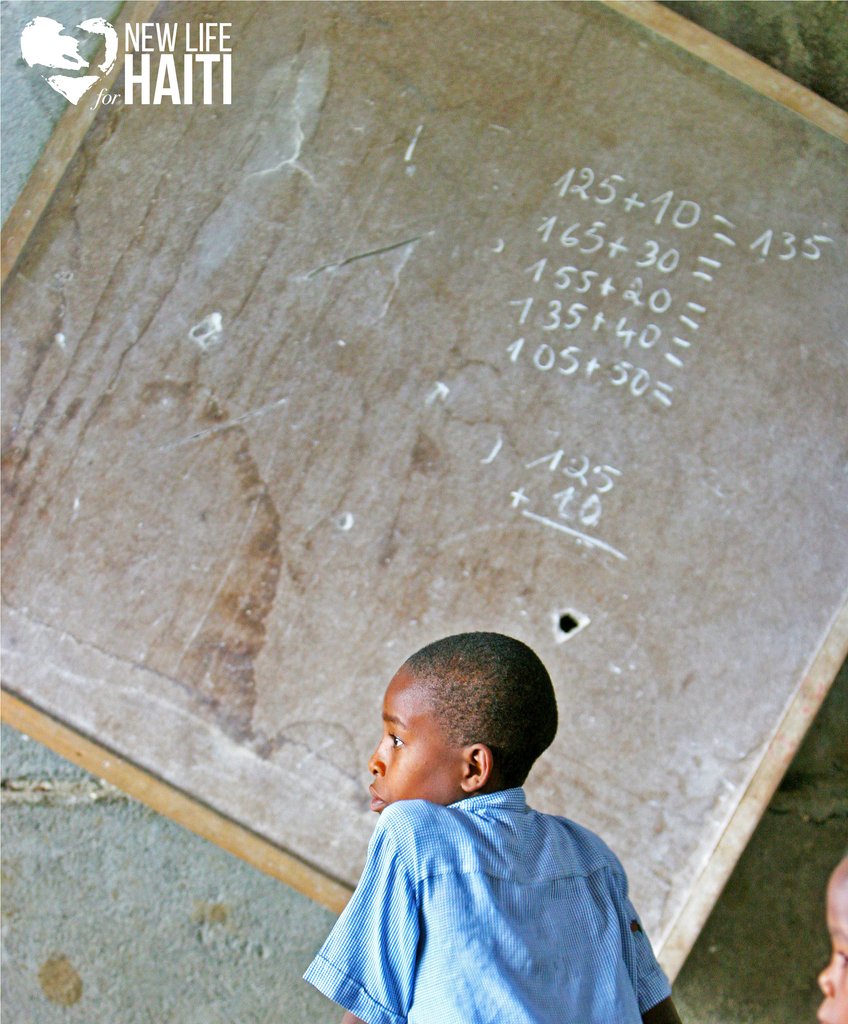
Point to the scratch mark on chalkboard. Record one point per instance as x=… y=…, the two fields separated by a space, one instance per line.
x=289 y=161
x=314 y=752
x=292 y=118
x=338 y=264
x=455 y=537
x=220 y=427
x=402 y=262
x=592 y=542
x=332 y=740
x=500 y=128
x=499 y=247
x=411 y=147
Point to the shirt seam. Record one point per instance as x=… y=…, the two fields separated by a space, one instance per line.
x=457 y=870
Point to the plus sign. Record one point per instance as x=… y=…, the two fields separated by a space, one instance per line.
x=616 y=247
x=607 y=287
x=599 y=320
x=632 y=201
x=591 y=366
x=519 y=498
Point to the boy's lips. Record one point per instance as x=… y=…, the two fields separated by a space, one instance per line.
x=377 y=802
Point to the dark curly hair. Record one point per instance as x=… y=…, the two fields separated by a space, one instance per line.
x=489 y=688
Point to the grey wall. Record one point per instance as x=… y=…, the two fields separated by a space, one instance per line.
x=112 y=914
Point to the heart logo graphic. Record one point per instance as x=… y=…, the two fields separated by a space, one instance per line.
x=44 y=43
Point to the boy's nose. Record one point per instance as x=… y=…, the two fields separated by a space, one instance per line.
x=825 y=984
x=376 y=765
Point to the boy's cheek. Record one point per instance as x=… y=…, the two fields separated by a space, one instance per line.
x=834 y=1008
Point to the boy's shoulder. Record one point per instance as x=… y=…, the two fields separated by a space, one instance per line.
x=425 y=835
x=416 y=833
x=407 y=820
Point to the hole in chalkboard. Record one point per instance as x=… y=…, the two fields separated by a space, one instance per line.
x=568 y=623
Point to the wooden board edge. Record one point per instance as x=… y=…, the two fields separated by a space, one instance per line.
x=736 y=63
x=169 y=801
x=781 y=750
x=64 y=141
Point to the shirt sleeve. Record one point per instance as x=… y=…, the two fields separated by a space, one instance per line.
x=367 y=964
x=649 y=980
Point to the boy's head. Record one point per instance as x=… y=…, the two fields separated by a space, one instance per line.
x=833 y=980
x=466 y=714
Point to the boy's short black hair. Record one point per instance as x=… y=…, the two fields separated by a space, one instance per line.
x=490 y=688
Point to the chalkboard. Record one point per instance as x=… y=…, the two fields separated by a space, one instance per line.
x=481 y=316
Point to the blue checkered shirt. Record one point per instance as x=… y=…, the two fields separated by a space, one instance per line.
x=488 y=911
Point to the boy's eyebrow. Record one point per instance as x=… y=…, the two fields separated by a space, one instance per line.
x=395 y=720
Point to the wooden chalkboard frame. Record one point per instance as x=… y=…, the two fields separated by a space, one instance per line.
x=736 y=63
x=168 y=800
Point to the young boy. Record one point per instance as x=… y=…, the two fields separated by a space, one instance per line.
x=833 y=980
x=473 y=908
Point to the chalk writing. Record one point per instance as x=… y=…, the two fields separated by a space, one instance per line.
x=440 y=391
x=787 y=246
x=594 y=187
x=618 y=294
x=208 y=333
x=566 y=493
x=490 y=458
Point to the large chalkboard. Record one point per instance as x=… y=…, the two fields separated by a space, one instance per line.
x=472 y=316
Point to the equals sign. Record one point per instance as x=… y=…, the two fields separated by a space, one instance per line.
x=702 y=274
x=696 y=307
x=662 y=392
x=720 y=235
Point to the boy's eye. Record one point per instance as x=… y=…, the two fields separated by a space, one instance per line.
x=396 y=740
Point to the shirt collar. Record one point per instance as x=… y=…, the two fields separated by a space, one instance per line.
x=504 y=799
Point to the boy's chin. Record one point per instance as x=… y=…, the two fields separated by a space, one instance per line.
x=378 y=805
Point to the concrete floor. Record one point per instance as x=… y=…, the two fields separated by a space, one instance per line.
x=757 y=959
x=112 y=914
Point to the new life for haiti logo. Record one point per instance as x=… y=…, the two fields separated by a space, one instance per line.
x=47 y=46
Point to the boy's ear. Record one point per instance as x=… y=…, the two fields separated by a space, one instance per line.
x=479 y=767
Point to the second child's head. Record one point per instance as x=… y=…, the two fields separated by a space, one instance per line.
x=833 y=980
x=465 y=715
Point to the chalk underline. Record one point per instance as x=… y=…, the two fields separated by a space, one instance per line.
x=591 y=541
